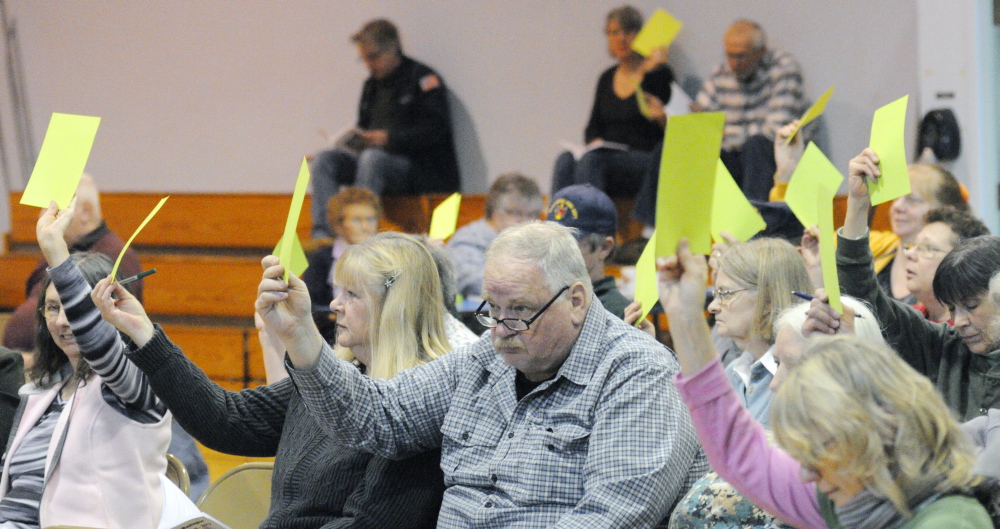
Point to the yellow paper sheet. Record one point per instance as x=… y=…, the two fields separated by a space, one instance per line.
x=659 y=31
x=294 y=210
x=118 y=261
x=646 y=289
x=687 y=180
x=814 y=112
x=828 y=250
x=299 y=261
x=640 y=98
x=888 y=127
x=731 y=211
x=444 y=220
x=815 y=175
x=61 y=160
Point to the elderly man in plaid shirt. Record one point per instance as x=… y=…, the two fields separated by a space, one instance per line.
x=562 y=416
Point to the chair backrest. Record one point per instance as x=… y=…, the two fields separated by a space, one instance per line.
x=240 y=498
x=177 y=472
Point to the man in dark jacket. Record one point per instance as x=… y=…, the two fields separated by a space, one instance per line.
x=403 y=141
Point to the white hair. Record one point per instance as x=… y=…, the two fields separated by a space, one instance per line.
x=549 y=245
x=865 y=324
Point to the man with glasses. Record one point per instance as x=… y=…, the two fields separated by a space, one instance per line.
x=562 y=416
x=403 y=142
x=512 y=199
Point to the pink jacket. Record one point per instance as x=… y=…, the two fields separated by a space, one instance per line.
x=737 y=449
x=107 y=474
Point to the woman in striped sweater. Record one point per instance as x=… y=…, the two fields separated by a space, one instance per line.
x=90 y=438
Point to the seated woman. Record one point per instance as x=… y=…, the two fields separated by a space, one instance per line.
x=627 y=115
x=354 y=214
x=869 y=441
x=754 y=284
x=90 y=440
x=931 y=186
x=387 y=322
x=943 y=229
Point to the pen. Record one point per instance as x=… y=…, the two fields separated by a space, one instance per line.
x=807 y=297
x=137 y=277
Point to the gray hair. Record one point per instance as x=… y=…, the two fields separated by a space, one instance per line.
x=758 y=40
x=549 y=245
x=866 y=326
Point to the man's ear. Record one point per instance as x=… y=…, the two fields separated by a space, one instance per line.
x=84 y=212
x=607 y=246
x=579 y=303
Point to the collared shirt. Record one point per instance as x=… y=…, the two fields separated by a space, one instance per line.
x=605 y=443
x=762 y=104
x=752 y=380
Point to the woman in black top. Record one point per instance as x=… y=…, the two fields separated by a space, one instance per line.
x=624 y=131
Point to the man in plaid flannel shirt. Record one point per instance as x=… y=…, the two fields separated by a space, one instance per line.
x=562 y=416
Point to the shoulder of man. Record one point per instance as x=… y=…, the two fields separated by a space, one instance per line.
x=782 y=60
x=427 y=79
x=627 y=347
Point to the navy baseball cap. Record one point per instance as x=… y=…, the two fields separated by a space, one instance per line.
x=585 y=208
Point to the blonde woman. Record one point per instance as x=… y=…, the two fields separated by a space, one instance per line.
x=389 y=318
x=867 y=441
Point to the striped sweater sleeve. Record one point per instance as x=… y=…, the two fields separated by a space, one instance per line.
x=100 y=344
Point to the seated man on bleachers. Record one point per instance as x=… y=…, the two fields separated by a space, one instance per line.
x=87 y=233
x=593 y=213
x=512 y=199
x=403 y=142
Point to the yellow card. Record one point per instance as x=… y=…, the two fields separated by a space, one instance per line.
x=687 y=179
x=731 y=211
x=646 y=289
x=659 y=31
x=814 y=112
x=287 y=243
x=828 y=250
x=640 y=98
x=114 y=271
x=298 y=262
x=444 y=220
x=61 y=160
x=888 y=127
x=814 y=176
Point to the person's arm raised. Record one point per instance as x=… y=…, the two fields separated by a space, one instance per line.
x=682 y=279
x=51 y=230
x=859 y=201
x=287 y=313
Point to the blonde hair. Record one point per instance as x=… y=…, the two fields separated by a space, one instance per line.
x=857 y=407
x=396 y=277
x=772 y=267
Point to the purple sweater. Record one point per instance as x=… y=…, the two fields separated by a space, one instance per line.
x=738 y=450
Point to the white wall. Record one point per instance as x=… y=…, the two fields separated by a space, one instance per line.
x=958 y=57
x=227 y=96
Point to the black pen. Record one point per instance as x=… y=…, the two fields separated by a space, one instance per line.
x=137 y=277
x=807 y=297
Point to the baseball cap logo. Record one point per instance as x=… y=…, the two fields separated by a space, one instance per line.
x=560 y=208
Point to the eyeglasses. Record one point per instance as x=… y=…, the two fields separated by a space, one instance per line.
x=50 y=311
x=724 y=296
x=924 y=250
x=514 y=324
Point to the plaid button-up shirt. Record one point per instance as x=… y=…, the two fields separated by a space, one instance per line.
x=606 y=443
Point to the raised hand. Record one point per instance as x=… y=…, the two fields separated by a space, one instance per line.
x=632 y=313
x=822 y=319
x=861 y=168
x=51 y=230
x=120 y=308
x=682 y=279
x=787 y=157
x=286 y=312
x=809 y=250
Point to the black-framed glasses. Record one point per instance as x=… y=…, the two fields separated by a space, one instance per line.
x=514 y=324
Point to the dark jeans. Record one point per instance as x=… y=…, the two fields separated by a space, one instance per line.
x=752 y=167
x=617 y=173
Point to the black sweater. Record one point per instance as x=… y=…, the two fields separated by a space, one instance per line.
x=317 y=482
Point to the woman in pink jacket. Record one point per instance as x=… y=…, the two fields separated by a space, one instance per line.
x=867 y=440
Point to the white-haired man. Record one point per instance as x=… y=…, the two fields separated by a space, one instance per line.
x=563 y=416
